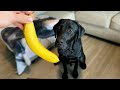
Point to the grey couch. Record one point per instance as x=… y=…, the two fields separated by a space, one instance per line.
x=102 y=24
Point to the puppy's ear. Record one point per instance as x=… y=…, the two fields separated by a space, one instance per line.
x=80 y=31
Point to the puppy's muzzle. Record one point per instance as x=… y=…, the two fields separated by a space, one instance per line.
x=60 y=43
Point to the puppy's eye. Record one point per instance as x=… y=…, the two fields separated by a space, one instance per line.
x=69 y=30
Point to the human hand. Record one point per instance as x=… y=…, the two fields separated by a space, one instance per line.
x=17 y=18
x=22 y=21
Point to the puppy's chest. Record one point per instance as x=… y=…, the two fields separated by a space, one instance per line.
x=73 y=53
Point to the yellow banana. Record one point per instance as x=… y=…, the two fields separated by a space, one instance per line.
x=36 y=46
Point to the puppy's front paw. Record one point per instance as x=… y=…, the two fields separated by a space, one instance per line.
x=75 y=74
x=64 y=76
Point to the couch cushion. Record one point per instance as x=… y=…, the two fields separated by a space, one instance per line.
x=61 y=14
x=105 y=33
x=115 y=23
x=99 y=18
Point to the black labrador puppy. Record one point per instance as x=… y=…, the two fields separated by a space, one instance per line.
x=68 y=35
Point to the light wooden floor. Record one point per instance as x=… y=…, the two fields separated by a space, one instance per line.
x=103 y=62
